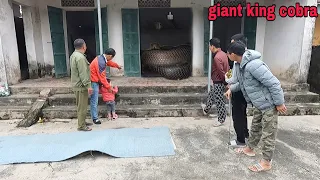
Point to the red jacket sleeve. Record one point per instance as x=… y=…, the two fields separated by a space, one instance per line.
x=115 y=90
x=220 y=71
x=112 y=64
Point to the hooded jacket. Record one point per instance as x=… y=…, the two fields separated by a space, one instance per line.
x=258 y=85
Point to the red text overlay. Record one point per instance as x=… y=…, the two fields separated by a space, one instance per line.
x=261 y=11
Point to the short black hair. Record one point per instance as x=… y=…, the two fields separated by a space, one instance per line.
x=240 y=37
x=237 y=47
x=215 y=42
x=110 y=51
x=78 y=43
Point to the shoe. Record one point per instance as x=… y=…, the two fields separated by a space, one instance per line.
x=97 y=121
x=115 y=116
x=203 y=106
x=109 y=117
x=85 y=129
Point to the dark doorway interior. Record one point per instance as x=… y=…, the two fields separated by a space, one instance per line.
x=155 y=27
x=80 y=24
x=18 y=21
x=224 y=29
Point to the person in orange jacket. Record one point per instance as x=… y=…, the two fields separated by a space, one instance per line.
x=99 y=78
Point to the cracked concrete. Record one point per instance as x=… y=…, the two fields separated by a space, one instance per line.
x=201 y=153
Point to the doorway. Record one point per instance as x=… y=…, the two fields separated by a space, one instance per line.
x=21 y=42
x=80 y=24
x=164 y=39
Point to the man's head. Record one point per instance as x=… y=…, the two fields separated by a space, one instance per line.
x=80 y=45
x=239 y=37
x=110 y=53
x=236 y=50
x=214 y=45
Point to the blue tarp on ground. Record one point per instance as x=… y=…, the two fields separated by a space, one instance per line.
x=127 y=142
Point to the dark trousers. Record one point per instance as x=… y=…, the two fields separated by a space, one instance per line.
x=239 y=116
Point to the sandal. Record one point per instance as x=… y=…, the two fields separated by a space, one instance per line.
x=115 y=116
x=241 y=151
x=258 y=168
x=217 y=124
x=84 y=129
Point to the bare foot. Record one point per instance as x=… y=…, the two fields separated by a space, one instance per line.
x=246 y=150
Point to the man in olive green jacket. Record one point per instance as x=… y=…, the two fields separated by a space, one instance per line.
x=81 y=83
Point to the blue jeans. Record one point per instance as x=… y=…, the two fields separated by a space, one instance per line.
x=111 y=106
x=94 y=98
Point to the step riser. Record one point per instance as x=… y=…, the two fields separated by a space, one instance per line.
x=149 y=89
x=196 y=112
x=12 y=114
x=136 y=113
x=123 y=100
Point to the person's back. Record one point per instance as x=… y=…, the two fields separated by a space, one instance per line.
x=220 y=67
x=79 y=63
x=261 y=87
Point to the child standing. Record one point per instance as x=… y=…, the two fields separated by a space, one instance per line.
x=109 y=98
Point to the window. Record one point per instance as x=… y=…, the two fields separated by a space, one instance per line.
x=154 y=3
x=77 y=3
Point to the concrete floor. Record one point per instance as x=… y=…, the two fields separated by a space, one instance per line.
x=201 y=153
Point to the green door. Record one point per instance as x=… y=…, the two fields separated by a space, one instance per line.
x=250 y=27
x=58 y=44
x=206 y=40
x=104 y=27
x=131 y=42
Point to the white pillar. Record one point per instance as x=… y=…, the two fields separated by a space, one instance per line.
x=197 y=41
x=3 y=72
x=9 y=42
x=306 y=46
x=30 y=42
x=115 y=36
x=46 y=37
x=37 y=35
x=66 y=44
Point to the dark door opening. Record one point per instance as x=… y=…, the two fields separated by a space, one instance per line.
x=80 y=24
x=21 y=42
x=163 y=40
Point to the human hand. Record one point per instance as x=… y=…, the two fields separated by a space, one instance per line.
x=90 y=90
x=228 y=86
x=228 y=94
x=282 y=109
x=120 y=67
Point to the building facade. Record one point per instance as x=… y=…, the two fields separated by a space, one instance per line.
x=129 y=26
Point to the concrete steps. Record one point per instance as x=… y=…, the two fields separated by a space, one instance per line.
x=174 y=98
x=145 y=101
x=193 y=110
x=136 y=89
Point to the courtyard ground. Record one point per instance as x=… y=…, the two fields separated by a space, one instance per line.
x=202 y=153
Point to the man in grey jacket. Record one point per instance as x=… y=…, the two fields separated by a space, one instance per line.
x=263 y=90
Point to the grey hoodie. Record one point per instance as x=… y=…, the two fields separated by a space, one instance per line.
x=258 y=85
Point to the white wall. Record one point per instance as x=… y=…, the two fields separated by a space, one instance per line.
x=30 y=42
x=9 y=42
x=3 y=72
x=283 y=44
